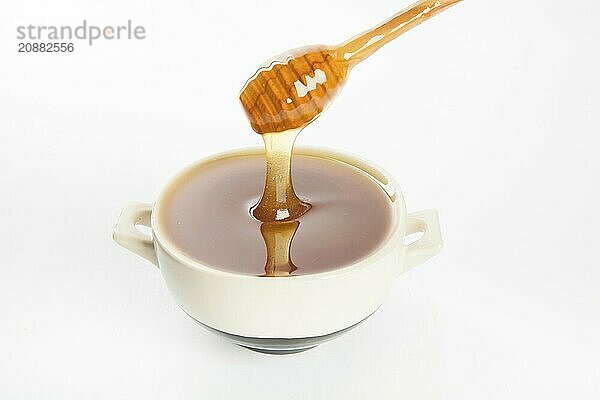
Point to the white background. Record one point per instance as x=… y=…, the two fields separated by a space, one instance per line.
x=489 y=113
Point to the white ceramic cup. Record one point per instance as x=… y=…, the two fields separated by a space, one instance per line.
x=283 y=315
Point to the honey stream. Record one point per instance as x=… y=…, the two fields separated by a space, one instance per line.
x=288 y=94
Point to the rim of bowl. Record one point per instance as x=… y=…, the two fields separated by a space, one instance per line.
x=382 y=178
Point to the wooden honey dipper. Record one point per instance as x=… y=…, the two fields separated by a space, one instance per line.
x=287 y=94
x=295 y=88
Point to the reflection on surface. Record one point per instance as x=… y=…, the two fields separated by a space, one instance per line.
x=278 y=238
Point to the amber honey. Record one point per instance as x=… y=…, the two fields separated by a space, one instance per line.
x=205 y=214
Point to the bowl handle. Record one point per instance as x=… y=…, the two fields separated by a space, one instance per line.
x=127 y=235
x=426 y=246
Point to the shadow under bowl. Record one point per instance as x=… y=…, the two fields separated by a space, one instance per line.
x=278 y=346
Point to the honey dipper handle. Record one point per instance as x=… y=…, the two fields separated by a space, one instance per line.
x=362 y=46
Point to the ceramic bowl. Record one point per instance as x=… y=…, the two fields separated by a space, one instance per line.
x=326 y=304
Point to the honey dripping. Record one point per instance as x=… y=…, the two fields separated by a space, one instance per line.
x=285 y=96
